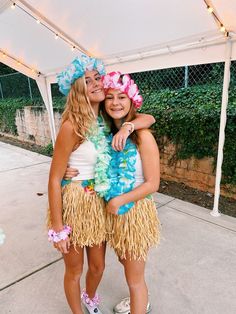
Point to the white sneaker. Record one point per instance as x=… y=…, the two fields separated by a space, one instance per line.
x=123 y=307
x=90 y=304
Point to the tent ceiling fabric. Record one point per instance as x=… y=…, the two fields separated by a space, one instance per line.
x=128 y=35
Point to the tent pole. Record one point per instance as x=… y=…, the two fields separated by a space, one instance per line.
x=223 y=118
x=45 y=90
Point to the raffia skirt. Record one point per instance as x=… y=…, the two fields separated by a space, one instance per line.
x=132 y=234
x=84 y=211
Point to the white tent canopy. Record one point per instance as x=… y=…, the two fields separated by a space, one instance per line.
x=130 y=36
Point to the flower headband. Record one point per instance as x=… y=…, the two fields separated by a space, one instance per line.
x=77 y=69
x=125 y=84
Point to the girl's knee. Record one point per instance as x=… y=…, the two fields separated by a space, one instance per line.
x=96 y=269
x=134 y=278
x=74 y=273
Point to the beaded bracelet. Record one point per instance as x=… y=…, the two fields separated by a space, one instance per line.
x=131 y=124
x=54 y=236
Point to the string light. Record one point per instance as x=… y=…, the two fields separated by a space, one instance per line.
x=47 y=25
x=19 y=63
x=210 y=9
x=221 y=26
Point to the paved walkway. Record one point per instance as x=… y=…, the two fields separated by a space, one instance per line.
x=192 y=271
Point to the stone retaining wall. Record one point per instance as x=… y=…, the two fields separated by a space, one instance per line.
x=33 y=127
x=196 y=173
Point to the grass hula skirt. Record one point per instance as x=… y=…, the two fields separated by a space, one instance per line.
x=85 y=213
x=134 y=232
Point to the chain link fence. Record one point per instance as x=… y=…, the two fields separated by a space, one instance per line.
x=16 y=85
x=151 y=83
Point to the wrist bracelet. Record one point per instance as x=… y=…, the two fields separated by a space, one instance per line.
x=129 y=123
x=54 y=236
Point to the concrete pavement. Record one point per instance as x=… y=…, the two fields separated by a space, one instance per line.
x=191 y=272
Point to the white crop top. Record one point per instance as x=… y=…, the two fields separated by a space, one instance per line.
x=84 y=159
x=139 y=177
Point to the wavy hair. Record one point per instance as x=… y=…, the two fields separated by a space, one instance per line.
x=78 y=109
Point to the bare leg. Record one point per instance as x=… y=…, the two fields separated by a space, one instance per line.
x=134 y=273
x=73 y=271
x=96 y=265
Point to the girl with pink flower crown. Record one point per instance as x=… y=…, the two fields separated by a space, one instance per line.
x=132 y=225
x=77 y=212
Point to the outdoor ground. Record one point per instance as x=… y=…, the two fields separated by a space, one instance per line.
x=177 y=190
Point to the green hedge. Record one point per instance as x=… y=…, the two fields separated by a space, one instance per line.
x=190 y=118
x=8 y=108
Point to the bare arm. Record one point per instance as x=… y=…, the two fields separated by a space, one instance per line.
x=141 y=121
x=65 y=142
x=151 y=168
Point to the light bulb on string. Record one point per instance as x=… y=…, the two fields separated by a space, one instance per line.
x=72 y=48
x=38 y=21
x=222 y=28
x=210 y=9
x=13 y=6
x=56 y=36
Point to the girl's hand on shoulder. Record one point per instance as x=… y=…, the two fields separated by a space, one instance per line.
x=119 y=139
x=112 y=206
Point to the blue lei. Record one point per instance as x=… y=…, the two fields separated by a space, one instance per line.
x=122 y=173
x=98 y=136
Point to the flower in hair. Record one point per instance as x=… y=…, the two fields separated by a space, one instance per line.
x=77 y=69
x=125 y=84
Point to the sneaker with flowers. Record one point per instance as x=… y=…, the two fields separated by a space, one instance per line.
x=91 y=304
x=123 y=307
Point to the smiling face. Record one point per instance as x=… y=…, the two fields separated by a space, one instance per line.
x=117 y=104
x=94 y=85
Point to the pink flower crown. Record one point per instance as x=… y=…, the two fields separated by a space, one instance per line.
x=125 y=84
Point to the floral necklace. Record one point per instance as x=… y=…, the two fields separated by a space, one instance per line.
x=122 y=173
x=98 y=136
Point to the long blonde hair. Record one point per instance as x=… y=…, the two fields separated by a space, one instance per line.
x=78 y=109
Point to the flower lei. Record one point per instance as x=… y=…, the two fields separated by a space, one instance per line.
x=122 y=173
x=125 y=84
x=77 y=69
x=98 y=136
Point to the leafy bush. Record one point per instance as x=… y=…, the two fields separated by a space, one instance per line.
x=8 y=108
x=190 y=119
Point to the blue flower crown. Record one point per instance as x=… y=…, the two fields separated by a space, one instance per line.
x=77 y=69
